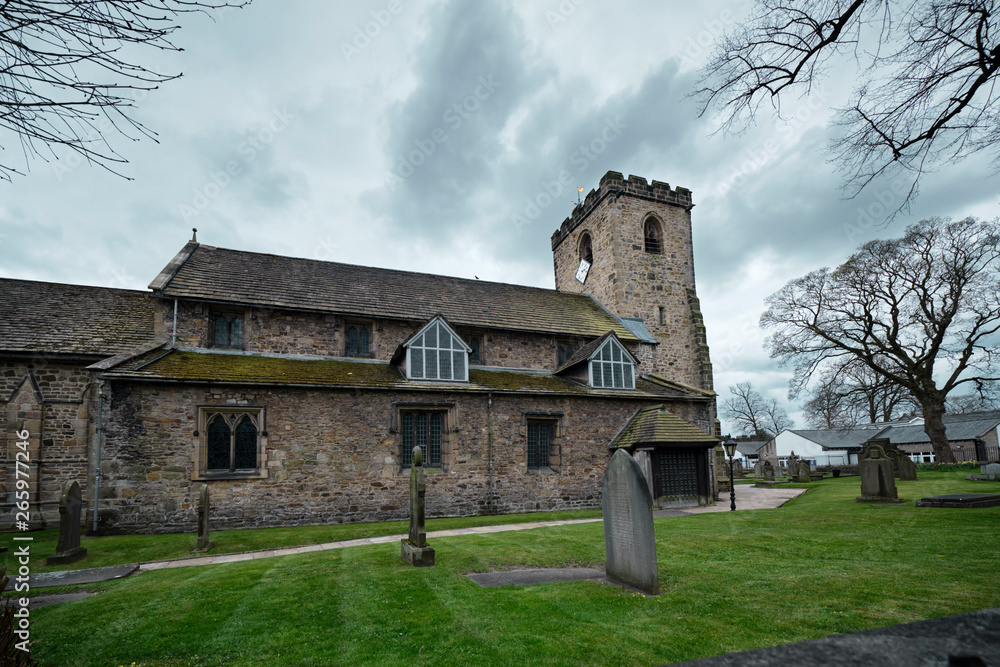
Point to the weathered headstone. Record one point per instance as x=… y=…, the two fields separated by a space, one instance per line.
x=768 y=470
x=414 y=548
x=802 y=472
x=877 y=483
x=203 y=505
x=68 y=549
x=758 y=469
x=629 y=541
x=990 y=469
x=792 y=465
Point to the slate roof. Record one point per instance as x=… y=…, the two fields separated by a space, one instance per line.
x=847 y=438
x=954 y=430
x=638 y=327
x=655 y=425
x=72 y=319
x=749 y=446
x=227 y=368
x=233 y=276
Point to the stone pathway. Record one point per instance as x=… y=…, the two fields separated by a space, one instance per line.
x=748 y=497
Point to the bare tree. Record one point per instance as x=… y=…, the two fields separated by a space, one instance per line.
x=850 y=393
x=754 y=415
x=67 y=74
x=922 y=311
x=925 y=92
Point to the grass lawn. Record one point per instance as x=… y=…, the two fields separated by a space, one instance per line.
x=820 y=565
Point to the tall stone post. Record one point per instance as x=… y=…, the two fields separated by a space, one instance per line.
x=414 y=548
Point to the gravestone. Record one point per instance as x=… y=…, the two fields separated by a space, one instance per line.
x=802 y=472
x=68 y=549
x=414 y=547
x=758 y=469
x=792 y=465
x=203 y=503
x=877 y=482
x=990 y=469
x=907 y=468
x=629 y=541
x=768 y=470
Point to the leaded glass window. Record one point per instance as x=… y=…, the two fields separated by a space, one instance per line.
x=539 y=437
x=231 y=441
x=358 y=340
x=423 y=429
x=437 y=353
x=228 y=331
x=612 y=367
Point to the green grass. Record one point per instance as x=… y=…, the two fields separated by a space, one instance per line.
x=820 y=565
x=120 y=549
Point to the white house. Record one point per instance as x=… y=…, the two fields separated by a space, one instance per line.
x=823 y=447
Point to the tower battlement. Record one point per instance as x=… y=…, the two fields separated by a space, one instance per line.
x=614 y=184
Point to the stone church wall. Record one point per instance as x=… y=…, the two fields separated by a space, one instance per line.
x=333 y=456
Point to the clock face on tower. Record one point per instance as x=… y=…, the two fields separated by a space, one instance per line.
x=581 y=273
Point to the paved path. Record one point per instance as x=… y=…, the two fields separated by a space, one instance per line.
x=748 y=497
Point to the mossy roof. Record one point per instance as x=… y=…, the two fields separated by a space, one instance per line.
x=233 y=276
x=655 y=425
x=72 y=319
x=218 y=367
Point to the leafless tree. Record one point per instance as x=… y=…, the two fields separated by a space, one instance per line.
x=68 y=74
x=850 y=393
x=922 y=311
x=753 y=414
x=926 y=74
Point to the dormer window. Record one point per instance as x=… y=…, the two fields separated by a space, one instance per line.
x=612 y=367
x=227 y=331
x=437 y=353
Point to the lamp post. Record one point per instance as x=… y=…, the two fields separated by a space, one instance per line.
x=730 y=446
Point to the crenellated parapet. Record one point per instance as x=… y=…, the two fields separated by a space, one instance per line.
x=615 y=185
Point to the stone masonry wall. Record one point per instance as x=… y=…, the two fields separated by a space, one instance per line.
x=53 y=405
x=314 y=334
x=333 y=456
x=635 y=283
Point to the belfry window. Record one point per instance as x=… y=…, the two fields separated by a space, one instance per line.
x=587 y=249
x=653 y=236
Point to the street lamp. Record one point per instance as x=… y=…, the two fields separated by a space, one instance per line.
x=730 y=446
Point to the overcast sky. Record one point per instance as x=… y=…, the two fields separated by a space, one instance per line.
x=330 y=130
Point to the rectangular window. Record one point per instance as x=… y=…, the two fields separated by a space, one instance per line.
x=422 y=429
x=227 y=331
x=475 y=342
x=539 y=439
x=359 y=338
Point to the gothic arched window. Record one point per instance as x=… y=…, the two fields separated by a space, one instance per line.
x=587 y=249
x=653 y=235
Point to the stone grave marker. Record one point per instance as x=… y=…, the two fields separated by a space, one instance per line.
x=802 y=472
x=203 y=505
x=768 y=470
x=758 y=469
x=792 y=463
x=629 y=541
x=414 y=547
x=68 y=549
x=877 y=482
x=990 y=469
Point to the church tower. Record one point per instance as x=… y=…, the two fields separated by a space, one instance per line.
x=629 y=246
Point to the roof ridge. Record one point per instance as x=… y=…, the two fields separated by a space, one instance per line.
x=76 y=285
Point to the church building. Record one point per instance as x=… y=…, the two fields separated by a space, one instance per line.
x=297 y=388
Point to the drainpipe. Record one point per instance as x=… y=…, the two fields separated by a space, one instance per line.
x=489 y=446
x=100 y=439
x=173 y=339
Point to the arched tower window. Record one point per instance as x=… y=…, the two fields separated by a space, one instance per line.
x=586 y=249
x=653 y=235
